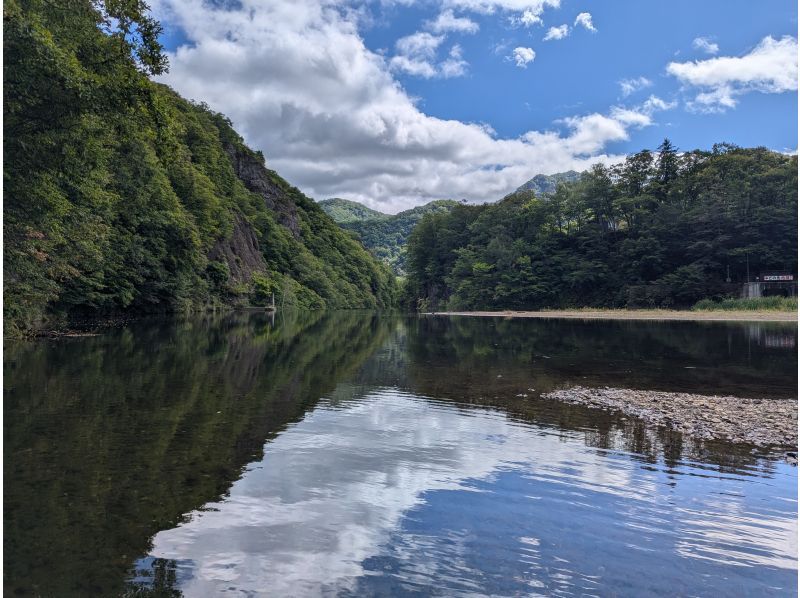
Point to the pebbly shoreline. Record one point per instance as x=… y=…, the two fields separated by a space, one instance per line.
x=632 y=314
x=760 y=422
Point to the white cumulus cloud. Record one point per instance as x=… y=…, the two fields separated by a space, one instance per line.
x=454 y=65
x=559 y=32
x=418 y=67
x=529 y=18
x=298 y=82
x=629 y=86
x=705 y=45
x=419 y=44
x=770 y=67
x=416 y=56
x=584 y=19
x=524 y=12
x=530 y=9
x=522 y=56
x=654 y=103
x=447 y=21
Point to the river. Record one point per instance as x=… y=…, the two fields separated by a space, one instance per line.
x=358 y=454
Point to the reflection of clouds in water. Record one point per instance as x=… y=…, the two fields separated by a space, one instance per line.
x=734 y=536
x=333 y=488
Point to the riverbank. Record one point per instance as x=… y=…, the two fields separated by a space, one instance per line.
x=633 y=314
x=760 y=422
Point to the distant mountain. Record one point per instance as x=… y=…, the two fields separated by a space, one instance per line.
x=344 y=211
x=545 y=184
x=383 y=234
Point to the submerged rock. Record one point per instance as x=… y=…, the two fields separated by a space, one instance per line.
x=758 y=422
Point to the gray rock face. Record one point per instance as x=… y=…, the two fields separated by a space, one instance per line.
x=256 y=177
x=241 y=252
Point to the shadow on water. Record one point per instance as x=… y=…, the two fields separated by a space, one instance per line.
x=111 y=438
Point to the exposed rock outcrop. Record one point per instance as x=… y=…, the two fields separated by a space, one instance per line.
x=241 y=252
x=250 y=169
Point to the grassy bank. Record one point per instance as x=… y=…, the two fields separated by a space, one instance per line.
x=758 y=304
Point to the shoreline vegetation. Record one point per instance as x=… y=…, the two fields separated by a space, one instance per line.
x=760 y=422
x=751 y=304
x=664 y=229
x=763 y=315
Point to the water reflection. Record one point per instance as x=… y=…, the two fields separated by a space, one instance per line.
x=771 y=336
x=705 y=357
x=386 y=455
x=397 y=493
x=111 y=438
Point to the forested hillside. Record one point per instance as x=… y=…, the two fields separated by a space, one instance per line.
x=384 y=235
x=343 y=210
x=663 y=229
x=120 y=196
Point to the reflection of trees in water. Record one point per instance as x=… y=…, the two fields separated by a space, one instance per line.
x=158 y=580
x=708 y=357
x=767 y=334
x=497 y=363
x=111 y=439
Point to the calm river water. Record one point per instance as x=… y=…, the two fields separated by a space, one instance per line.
x=356 y=454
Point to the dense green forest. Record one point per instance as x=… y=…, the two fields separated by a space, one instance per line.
x=120 y=196
x=344 y=211
x=662 y=229
x=385 y=235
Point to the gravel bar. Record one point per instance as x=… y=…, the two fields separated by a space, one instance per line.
x=760 y=422
x=632 y=314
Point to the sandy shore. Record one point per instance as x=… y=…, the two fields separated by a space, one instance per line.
x=633 y=314
x=760 y=422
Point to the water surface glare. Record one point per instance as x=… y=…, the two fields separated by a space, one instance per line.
x=365 y=455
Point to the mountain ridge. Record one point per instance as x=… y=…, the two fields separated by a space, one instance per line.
x=344 y=211
x=385 y=236
x=546 y=184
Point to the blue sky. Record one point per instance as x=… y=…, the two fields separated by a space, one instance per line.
x=374 y=102
x=580 y=73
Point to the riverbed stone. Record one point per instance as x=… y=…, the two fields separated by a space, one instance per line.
x=760 y=422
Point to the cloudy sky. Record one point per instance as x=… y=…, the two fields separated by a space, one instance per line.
x=398 y=102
